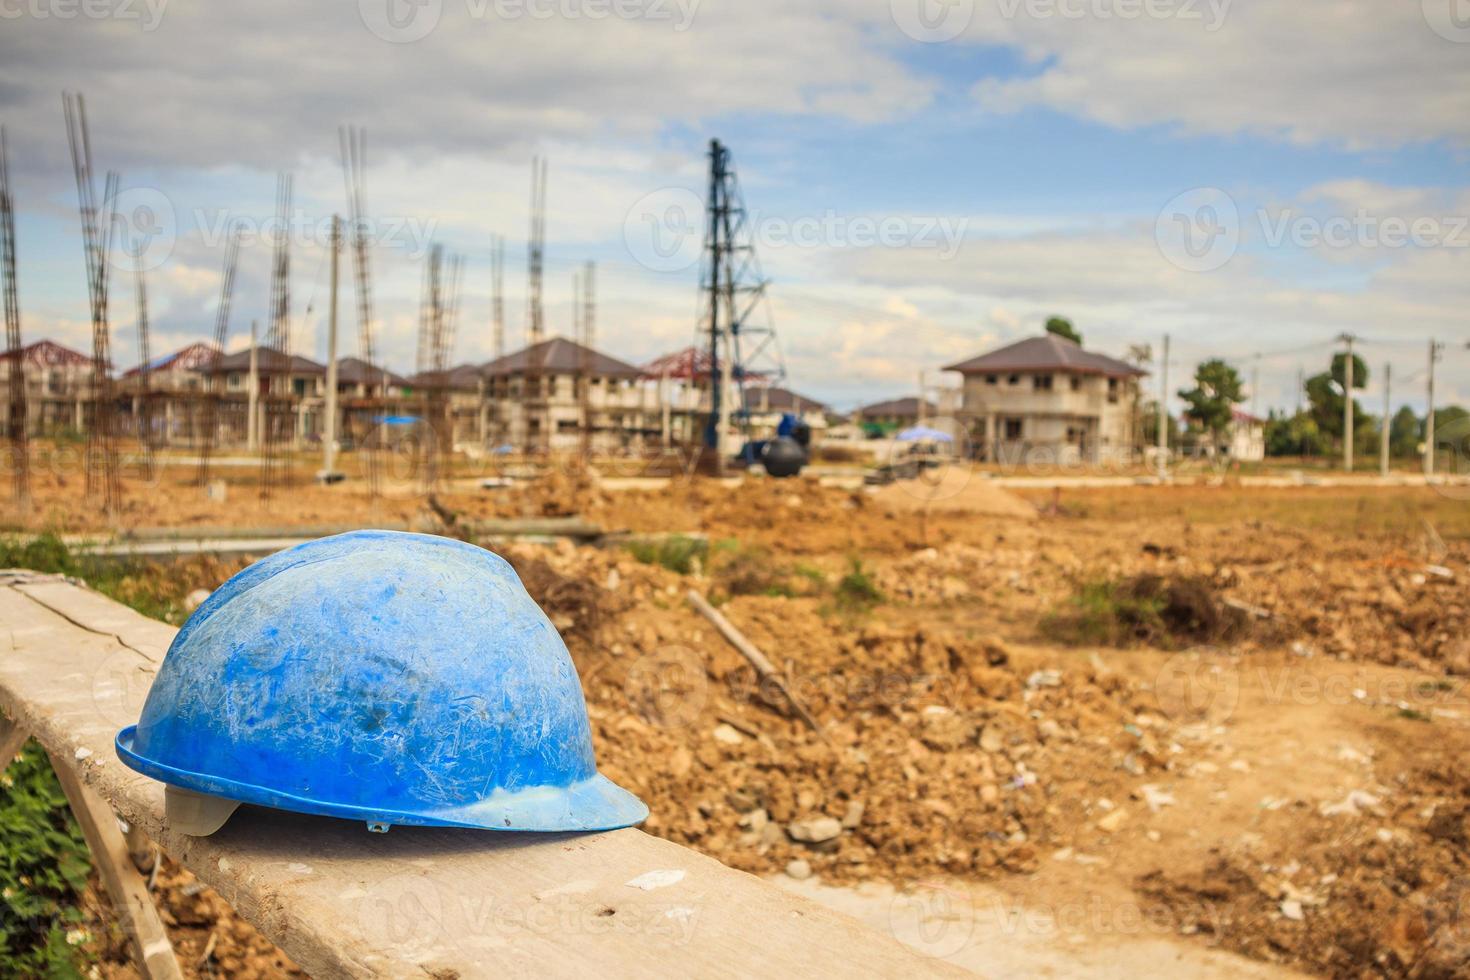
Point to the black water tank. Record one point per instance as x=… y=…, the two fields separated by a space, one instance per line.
x=783 y=457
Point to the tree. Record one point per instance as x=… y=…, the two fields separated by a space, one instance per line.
x=1452 y=438
x=1151 y=425
x=1325 y=395
x=1062 y=327
x=1295 y=435
x=1405 y=433
x=1217 y=390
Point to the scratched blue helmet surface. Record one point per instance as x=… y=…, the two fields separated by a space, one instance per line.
x=380 y=676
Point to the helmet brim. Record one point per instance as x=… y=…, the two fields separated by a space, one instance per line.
x=592 y=804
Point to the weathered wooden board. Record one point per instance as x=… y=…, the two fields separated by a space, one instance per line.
x=75 y=667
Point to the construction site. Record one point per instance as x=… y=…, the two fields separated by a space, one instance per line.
x=1035 y=668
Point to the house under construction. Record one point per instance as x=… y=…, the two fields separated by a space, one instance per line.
x=60 y=388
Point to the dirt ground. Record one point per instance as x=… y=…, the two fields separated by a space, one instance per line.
x=1230 y=717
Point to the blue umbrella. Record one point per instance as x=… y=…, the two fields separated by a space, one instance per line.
x=922 y=433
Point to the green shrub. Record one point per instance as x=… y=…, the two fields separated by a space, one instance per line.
x=43 y=857
x=43 y=868
x=676 y=552
x=1146 y=609
x=856 y=589
x=43 y=553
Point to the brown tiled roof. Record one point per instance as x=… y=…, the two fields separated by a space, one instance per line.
x=466 y=377
x=271 y=361
x=689 y=364
x=356 y=371
x=900 y=407
x=558 y=356
x=48 y=353
x=760 y=398
x=195 y=357
x=1047 y=353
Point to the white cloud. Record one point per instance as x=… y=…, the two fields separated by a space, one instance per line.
x=1359 y=73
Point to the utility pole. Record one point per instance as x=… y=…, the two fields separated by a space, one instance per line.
x=1256 y=387
x=354 y=178
x=589 y=307
x=1347 y=404
x=718 y=242
x=16 y=418
x=535 y=324
x=1436 y=351
x=1163 y=434
x=497 y=293
x=589 y=303
x=1301 y=394
x=731 y=286
x=252 y=424
x=1387 y=408
x=329 y=472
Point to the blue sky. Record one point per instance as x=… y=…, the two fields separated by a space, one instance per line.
x=1033 y=163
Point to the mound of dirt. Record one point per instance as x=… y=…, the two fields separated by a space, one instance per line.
x=940 y=752
x=953 y=490
x=1393 y=892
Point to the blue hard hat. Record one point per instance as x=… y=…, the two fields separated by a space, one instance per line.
x=387 y=677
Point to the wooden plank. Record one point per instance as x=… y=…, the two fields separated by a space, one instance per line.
x=128 y=890
x=12 y=737
x=448 y=903
x=752 y=653
x=95 y=612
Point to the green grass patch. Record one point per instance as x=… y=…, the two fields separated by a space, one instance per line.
x=1145 y=609
x=676 y=552
x=43 y=869
x=44 y=861
x=155 y=589
x=856 y=590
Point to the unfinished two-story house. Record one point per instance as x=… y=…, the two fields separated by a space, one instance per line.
x=535 y=398
x=59 y=388
x=1045 y=399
